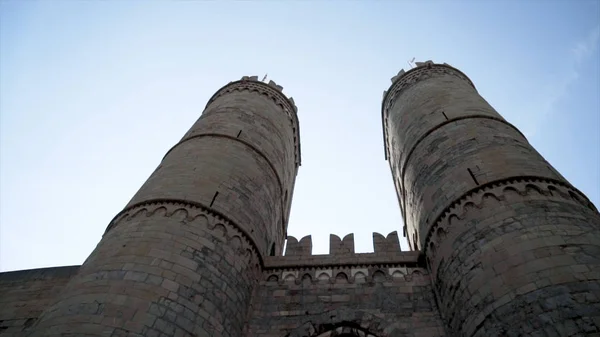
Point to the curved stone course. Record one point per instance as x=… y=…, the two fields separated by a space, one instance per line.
x=166 y=268
x=180 y=208
x=503 y=245
x=518 y=244
x=511 y=246
x=500 y=191
x=405 y=79
x=185 y=255
x=273 y=92
x=250 y=146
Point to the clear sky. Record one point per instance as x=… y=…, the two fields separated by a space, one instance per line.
x=93 y=94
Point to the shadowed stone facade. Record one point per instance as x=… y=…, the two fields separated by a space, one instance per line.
x=502 y=244
x=513 y=249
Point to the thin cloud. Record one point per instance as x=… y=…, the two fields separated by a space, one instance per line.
x=587 y=47
x=579 y=54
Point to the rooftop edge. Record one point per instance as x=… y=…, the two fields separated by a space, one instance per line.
x=397 y=79
x=271 y=85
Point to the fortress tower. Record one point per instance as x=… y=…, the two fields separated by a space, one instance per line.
x=512 y=247
x=186 y=253
x=502 y=245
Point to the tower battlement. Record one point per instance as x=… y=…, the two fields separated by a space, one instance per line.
x=342 y=262
x=502 y=244
x=404 y=79
x=271 y=90
x=273 y=85
x=387 y=251
x=344 y=247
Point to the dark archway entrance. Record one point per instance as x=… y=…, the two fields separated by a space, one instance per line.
x=330 y=330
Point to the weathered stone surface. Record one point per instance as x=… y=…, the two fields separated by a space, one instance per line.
x=25 y=294
x=298 y=248
x=511 y=246
x=184 y=257
x=503 y=244
x=385 y=293
x=371 y=303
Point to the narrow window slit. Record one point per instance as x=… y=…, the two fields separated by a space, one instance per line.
x=443 y=113
x=473 y=176
x=239 y=133
x=213 y=199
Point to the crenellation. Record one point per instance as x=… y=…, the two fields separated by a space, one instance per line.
x=389 y=244
x=428 y=63
x=502 y=244
x=298 y=248
x=251 y=84
x=341 y=247
x=387 y=252
x=400 y=73
x=382 y=246
x=275 y=86
x=291 y=99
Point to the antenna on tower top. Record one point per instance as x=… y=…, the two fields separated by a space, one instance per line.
x=410 y=63
x=264 y=78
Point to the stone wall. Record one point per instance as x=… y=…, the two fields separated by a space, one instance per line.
x=512 y=247
x=186 y=281
x=183 y=258
x=25 y=294
x=521 y=257
x=385 y=293
x=503 y=244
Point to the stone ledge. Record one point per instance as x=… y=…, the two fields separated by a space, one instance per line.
x=412 y=258
x=275 y=93
x=39 y=274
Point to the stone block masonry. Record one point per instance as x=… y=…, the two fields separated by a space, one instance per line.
x=25 y=294
x=184 y=257
x=512 y=247
x=502 y=244
x=384 y=293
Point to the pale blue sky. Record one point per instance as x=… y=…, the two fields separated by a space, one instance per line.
x=93 y=93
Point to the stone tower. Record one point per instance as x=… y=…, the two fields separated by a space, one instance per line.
x=502 y=245
x=511 y=246
x=185 y=254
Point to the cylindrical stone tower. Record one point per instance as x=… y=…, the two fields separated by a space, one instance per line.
x=513 y=248
x=183 y=257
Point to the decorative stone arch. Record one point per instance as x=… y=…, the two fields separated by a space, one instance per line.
x=343 y=323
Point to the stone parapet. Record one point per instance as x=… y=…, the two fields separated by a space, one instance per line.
x=405 y=79
x=385 y=293
x=275 y=92
x=386 y=252
x=343 y=247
